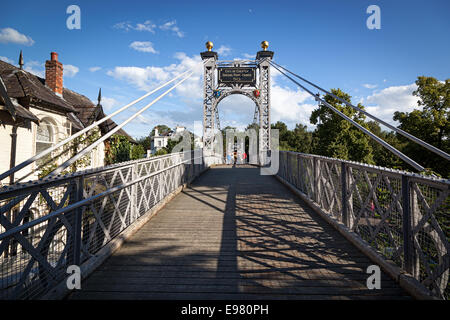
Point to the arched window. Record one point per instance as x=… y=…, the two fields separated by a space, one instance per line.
x=45 y=136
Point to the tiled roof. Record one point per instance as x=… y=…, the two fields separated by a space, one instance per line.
x=11 y=106
x=80 y=110
x=87 y=112
x=21 y=84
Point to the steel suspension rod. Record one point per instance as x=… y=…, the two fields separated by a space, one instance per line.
x=399 y=131
x=373 y=136
x=79 y=133
x=110 y=133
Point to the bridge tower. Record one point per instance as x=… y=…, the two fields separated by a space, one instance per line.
x=223 y=78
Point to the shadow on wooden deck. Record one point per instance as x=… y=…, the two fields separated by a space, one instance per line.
x=235 y=234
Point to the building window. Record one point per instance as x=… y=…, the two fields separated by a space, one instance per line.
x=45 y=136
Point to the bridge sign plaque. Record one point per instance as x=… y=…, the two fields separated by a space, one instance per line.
x=237 y=75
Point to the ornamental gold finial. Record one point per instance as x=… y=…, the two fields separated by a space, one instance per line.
x=265 y=45
x=209 y=45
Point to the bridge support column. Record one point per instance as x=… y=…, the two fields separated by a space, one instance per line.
x=345 y=214
x=134 y=176
x=409 y=206
x=316 y=174
x=209 y=75
x=263 y=58
x=78 y=219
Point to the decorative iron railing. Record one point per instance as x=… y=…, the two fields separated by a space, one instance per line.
x=404 y=216
x=50 y=224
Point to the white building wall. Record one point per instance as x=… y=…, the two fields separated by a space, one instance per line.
x=26 y=145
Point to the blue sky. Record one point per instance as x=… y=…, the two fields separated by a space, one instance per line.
x=127 y=47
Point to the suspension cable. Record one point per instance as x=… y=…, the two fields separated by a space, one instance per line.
x=110 y=133
x=373 y=136
x=79 y=133
x=399 y=131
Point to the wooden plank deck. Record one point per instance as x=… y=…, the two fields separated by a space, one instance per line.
x=235 y=234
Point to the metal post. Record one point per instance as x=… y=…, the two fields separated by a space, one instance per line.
x=134 y=199
x=316 y=179
x=288 y=165
x=299 y=176
x=78 y=221
x=345 y=215
x=408 y=249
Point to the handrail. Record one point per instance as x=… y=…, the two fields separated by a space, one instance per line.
x=85 y=202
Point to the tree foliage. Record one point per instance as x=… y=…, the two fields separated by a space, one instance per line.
x=298 y=140
x=118 y=150
x=145 y=142
x=431 y=124
x=337 y=138
x=137 y=152
x=162 y=129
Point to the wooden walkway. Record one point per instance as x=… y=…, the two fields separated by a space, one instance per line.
x=235 y=234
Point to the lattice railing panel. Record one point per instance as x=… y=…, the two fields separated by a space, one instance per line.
x=34 y=258
x=371 y=201
x=375 y=200
x=329 y=187
x=431 y=234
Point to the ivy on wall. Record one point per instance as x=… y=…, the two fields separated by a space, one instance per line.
x=49 y=163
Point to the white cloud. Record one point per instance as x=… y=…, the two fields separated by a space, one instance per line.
x=6 y=59
x=93 y=69
x=143 y=46
x=109 y=103
x=35 y=68
x=224 y=50
x=172 y=26
x=149 y=77
x=384 y=103
x=70 y=71
x=370 y=86
x=145 y=26
x=11 y=35
x=249 y=56
x=290 y=106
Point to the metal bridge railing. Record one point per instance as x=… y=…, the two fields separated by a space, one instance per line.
x=47 y=225
x=404 y=216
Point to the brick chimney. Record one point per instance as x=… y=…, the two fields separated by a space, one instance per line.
x=54 y=74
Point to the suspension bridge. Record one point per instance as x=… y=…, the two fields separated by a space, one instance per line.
x=187 y=225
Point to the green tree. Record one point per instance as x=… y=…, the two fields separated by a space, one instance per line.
x=174 y=140
x=336 y=137
x=119 y=149
x=301 y=139
x=137 y=152
x=431 y=124
x=162 y=128
x=161 y=152
x=381 y=155
x=285 y=136
x=145 y=142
